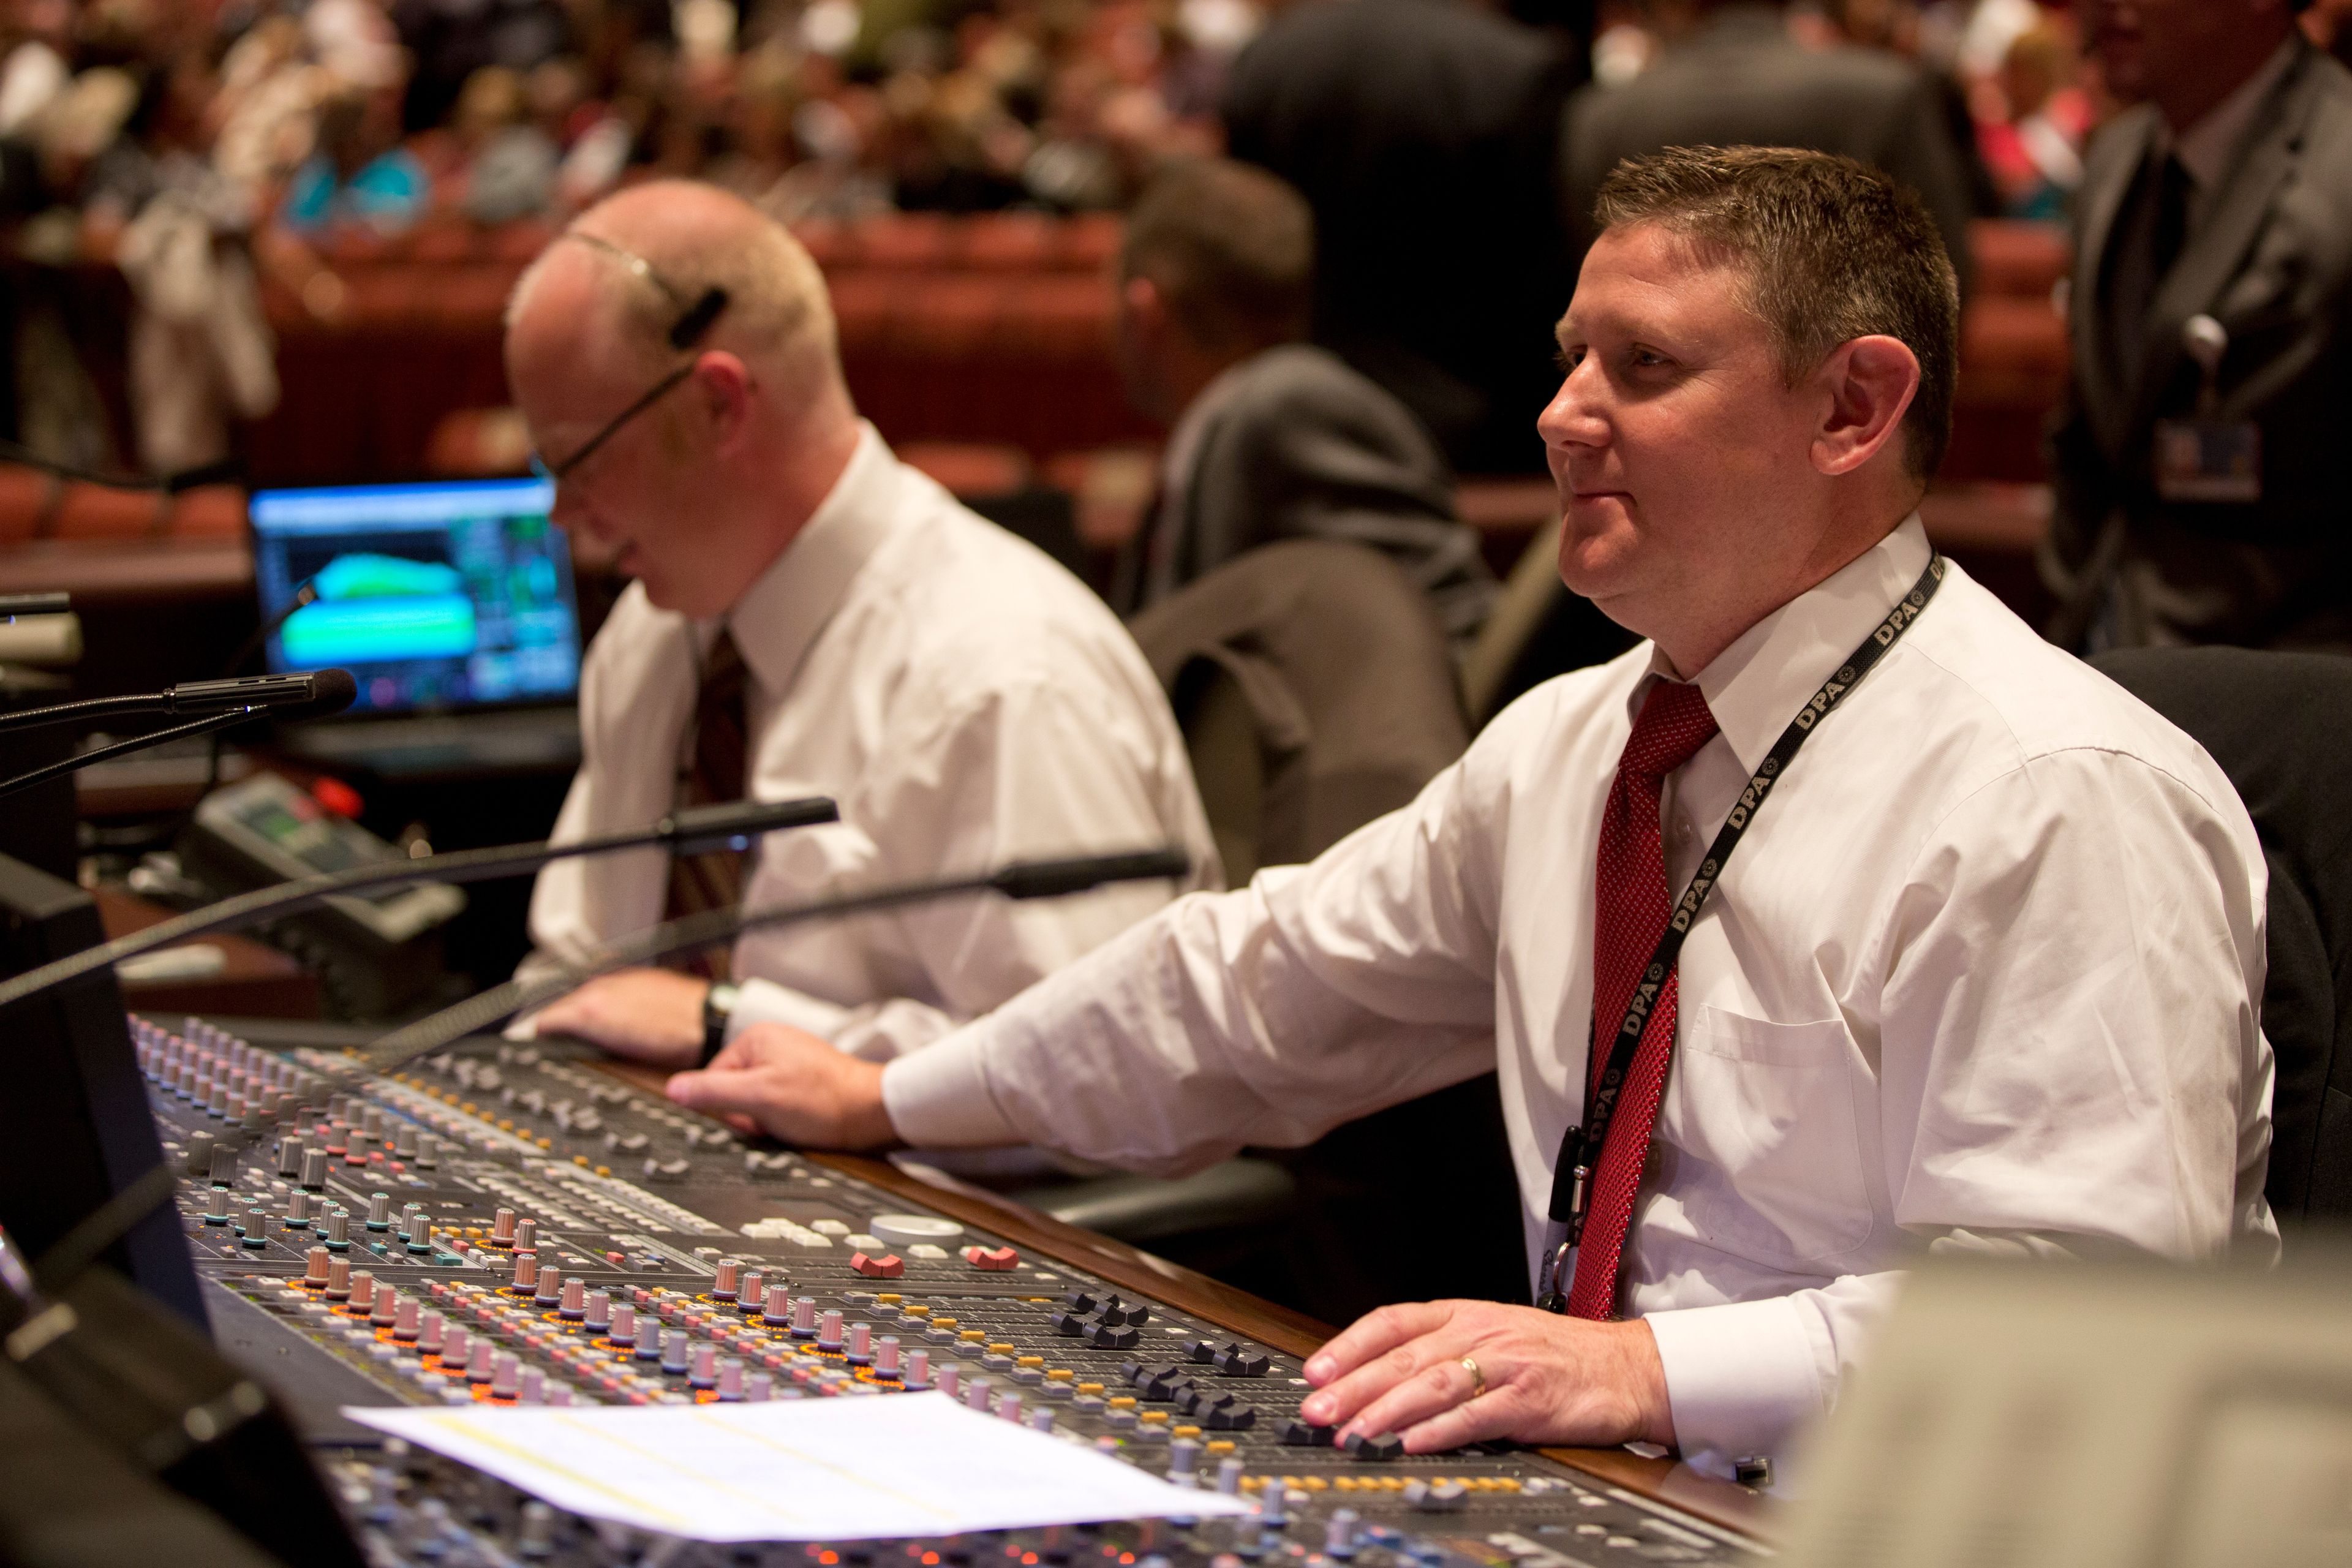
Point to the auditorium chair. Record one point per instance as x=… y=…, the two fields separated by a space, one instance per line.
x=2281 y=726
x=1316 y=693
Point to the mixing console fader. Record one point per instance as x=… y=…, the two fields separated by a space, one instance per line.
x=505 y=1223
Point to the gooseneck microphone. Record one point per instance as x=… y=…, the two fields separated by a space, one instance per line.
x=691 y=832
x=1020 y=879
x=314 y=690
x=330 y=692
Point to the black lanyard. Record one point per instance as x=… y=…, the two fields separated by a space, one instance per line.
x=1581 y=1146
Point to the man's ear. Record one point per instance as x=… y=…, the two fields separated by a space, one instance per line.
x=724 y=383
x=1869 y=383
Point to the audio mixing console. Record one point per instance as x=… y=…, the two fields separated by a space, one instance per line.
x=506 y=1224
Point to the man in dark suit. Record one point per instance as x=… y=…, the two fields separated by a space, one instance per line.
x=2199 y=458
x=1740 y=80
x=1270 y=437
x=1424 y=136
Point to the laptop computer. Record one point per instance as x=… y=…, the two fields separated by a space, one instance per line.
x=452 y=606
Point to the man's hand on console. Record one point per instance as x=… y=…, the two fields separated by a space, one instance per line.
x=1417 y=1371
x=650 y=1014
x=793 y=1086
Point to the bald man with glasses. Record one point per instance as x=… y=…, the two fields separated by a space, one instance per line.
x=809 y=617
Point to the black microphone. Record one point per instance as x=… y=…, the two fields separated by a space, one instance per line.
x=1020 y=879
x=691 y=832
x=314 y=691
x=15 y=604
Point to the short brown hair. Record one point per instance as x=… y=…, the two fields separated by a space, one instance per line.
x=1833 y=250
x=1231 y=248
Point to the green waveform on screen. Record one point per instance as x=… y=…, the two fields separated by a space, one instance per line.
x=374 y=608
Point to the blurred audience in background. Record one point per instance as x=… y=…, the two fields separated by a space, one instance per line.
x=1270 y=437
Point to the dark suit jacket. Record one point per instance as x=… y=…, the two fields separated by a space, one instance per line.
x=1423 y=133
x=1742 y=81
x=2273 y=263
x=1299 y=446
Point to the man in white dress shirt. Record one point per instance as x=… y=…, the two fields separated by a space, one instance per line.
x=964 y=700
x=1981 y=976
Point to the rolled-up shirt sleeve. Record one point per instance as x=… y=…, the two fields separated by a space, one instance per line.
x=1266 y=1015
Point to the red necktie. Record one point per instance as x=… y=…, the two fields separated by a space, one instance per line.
x=1630 y=903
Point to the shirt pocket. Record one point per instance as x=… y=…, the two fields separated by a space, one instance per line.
x=1767 y=1112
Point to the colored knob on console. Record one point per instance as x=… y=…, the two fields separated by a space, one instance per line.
x=752 y=1291
x=406 y=1319
x=525 y=1235
x=380 y=1211
x=339 y=1280
x=777 y=1311
x=479 y=1364
x=338 y=1231
x=723 y=1287
x=828 y=1333
x=918 y=1375
x=431 y=1333
x=289 y=1156
x=731 y=1380
x=526 y=1274
x=574 y=1308
x=199 y=1156
x=362 y=1291
x=886 y=1356
x=385 y=1310
x=216 y=1207
x=624 y=1330
x=502 y=1228
x=551 y=1286
x=860 y=1345
x=506 y=1375
x=456 y=1347
x=314 y=1169
x=315 y=1265
x=702 y=1367
x=674 y=1350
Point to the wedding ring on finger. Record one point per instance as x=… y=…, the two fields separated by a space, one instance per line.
x=1477 y=1378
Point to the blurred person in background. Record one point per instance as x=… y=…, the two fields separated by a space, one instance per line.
x=1742 y=79
x=510 y=166
x=1271 y=438
x=1423 y=133
x=2198 y=457
x=361 y=174
x=2032 y=144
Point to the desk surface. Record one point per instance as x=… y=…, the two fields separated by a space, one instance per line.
x=1733 y=1507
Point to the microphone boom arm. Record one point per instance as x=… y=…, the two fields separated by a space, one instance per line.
x=204 y=726
x=683 y=833
x=1020 y=879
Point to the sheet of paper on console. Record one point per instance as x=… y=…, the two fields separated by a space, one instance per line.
x=846 y=1469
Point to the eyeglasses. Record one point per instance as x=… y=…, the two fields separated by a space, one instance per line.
x=693 y=323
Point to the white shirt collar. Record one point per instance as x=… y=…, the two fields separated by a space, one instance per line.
x=782 y=612
x=2209 y=149
x=1756 y=686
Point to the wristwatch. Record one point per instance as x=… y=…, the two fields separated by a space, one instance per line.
x=718 y=1006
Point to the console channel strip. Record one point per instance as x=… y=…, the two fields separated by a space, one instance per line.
x=505 y=1223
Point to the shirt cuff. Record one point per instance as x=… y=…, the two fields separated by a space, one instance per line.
x=939 y=1098
x=1740 y=1378
x=765 y=1002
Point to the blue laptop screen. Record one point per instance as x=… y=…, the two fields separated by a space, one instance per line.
x=433 y=595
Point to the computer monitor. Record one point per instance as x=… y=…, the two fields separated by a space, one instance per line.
x=75 y=1125
x=434 y=596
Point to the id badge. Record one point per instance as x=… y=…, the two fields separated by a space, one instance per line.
x=2208 y=460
